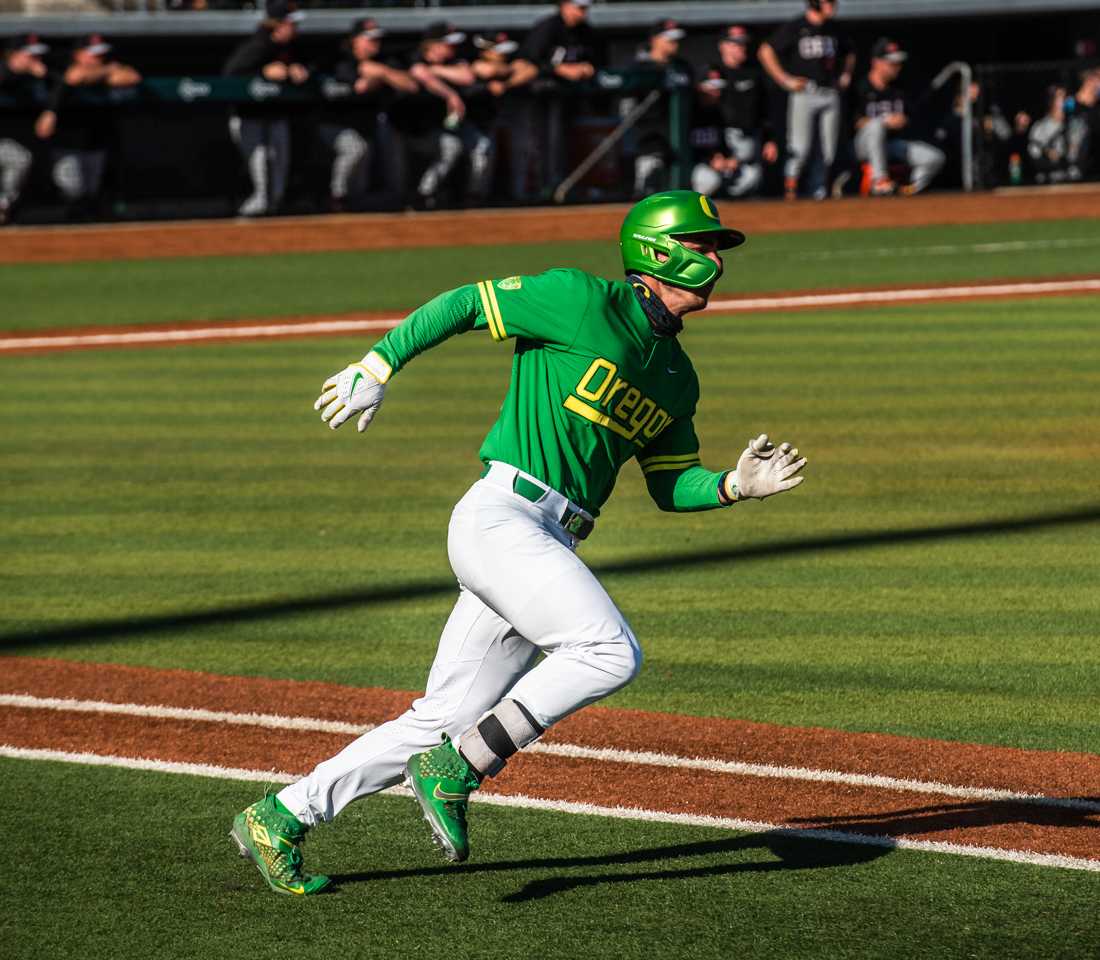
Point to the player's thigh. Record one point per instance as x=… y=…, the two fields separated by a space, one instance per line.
x=506 y=553
x=479 y=658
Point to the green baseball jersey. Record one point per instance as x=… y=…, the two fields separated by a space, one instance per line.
x=591 y=385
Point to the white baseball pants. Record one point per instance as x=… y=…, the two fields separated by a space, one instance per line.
x=523 y=592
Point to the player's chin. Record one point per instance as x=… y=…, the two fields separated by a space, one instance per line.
x=703 y=294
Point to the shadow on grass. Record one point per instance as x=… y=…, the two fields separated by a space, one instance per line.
x=810 y=843
x=123 y=627
x=788 y=852
x=947 y=817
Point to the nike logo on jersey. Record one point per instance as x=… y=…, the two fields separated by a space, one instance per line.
x=670 y=370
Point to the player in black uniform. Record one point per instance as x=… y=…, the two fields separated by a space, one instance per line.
x=350 y=128
x=262 y=131
x=880 y=119
x=25 y=78
x=734 y=89
x=813 y=61
x=81 y=133
x=566 y=50
x=652 y=149
x=441 y=71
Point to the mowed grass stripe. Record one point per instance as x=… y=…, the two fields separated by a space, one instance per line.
x=335 y=326
x=227 y=288
x=559 y=749
x=582 y=809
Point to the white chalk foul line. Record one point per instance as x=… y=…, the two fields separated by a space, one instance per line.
x=275 y=329
x=585 y=809
x=272 y=721
x=575 y=751
x=913 y=295
x=168 y=335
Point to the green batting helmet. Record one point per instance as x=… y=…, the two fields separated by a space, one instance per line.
x=654 y=225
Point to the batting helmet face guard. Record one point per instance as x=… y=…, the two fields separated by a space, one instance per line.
x=649 y=238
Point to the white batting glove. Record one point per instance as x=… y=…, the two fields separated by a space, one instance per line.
x=765 y=469
x=358 y=388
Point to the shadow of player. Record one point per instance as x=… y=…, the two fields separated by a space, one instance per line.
x=787 y=851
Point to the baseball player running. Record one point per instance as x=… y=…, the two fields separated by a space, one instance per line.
x=598 y=378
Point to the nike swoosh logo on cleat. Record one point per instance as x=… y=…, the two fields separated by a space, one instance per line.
x=443 y=795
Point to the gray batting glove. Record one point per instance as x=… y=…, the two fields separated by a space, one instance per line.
x=358 y=388
x=765 y=469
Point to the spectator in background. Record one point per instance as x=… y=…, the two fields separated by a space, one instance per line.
x=813 y=61
x=563 y=45
x=262 y=131
x=501 y=72
x=498 y=66
x=1054 y=156
x=25 y=78
x=80 y=134
x=566 y=50
x=350 y=127
x=733 y=93
x=881 y=117
x=1083 y=110
x=653 y=150
x=439 y=70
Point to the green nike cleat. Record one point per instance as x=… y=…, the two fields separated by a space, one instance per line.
x=442 y=782
x=269 y=835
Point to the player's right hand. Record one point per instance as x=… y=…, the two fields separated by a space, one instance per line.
x=355 y=389
x=765 y=469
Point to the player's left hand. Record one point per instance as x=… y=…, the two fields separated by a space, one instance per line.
x=353 y=390
x=765 y=469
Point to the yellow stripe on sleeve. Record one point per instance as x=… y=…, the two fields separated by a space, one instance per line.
x=487 y=308
x=496 y=309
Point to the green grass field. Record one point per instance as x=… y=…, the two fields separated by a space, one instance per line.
x=196 y=485
x=149 y=873
x=171 y=291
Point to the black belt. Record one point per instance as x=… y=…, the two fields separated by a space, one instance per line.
x=573 y=521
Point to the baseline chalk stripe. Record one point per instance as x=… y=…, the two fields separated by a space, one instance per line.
x=275 y=329
x=273 y=721
x=914 y=295
x=818 y=776
x=168 y=335
x=585 y=809
x=574 y=751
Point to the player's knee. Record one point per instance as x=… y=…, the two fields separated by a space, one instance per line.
x=616 y=655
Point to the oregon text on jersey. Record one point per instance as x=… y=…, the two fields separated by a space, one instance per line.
x=635 y=416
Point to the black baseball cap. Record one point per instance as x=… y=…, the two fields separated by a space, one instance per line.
x=283 y=10
x=890 y=50
x=668 y=28
x=93 y=43
x=367 y=27
x=735 y=33
x=443 y=31
x=26 y=43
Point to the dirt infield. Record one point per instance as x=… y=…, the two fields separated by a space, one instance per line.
x=480 y=227
x=867 y=784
